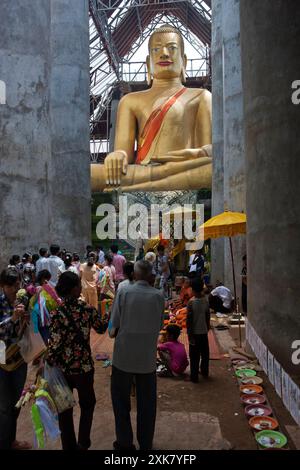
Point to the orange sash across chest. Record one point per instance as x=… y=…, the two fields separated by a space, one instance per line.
x=153 y=125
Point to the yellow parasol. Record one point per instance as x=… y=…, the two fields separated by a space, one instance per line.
x=227 y=224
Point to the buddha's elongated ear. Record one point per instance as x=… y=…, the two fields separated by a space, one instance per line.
x=182 y=75
x=149 y=76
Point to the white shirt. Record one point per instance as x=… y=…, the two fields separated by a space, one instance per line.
x=55 y=266
x=193 y=267
x=224 y=294
x=101 y=257
x=42 y=263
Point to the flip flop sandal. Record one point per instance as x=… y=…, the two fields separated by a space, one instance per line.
x=107 y=364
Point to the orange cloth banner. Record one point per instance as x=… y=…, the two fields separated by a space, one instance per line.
x=153 y=125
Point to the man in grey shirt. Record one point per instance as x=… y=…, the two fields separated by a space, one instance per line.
x=137 y=318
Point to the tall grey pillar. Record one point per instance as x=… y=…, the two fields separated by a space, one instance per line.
x=217 y=246
x=69 y=108
x=233 y=121
x=25 y=141
x=270 y=32
x=44 y=125
x=228 y=189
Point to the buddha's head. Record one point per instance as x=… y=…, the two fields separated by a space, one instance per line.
x=166 y=57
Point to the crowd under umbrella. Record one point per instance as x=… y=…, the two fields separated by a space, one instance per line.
x=227 y=224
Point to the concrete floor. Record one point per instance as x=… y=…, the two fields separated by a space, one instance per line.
x=190 y=416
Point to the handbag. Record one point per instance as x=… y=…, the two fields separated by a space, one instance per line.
x=13 y=358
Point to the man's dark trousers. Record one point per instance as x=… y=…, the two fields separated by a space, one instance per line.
x=199 y=350
x=121 y=383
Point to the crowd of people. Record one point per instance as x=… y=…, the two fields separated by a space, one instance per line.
x=64 y=301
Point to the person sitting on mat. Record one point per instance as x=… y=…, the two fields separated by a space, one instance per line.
x=185 y=295
x=198 y=325
x=221 y=300
x=172 y=353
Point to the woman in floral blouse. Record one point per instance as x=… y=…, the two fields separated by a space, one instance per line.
x=69 y=349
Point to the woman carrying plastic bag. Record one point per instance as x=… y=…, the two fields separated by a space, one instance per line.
x=69 y=351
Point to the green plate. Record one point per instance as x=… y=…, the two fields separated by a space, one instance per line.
x=271 y=439
x=242 y=373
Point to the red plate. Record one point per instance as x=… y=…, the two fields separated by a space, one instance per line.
x=253 y=399
x=257 y=410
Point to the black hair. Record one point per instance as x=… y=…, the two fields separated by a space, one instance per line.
x=100 y=248
x=88 y=248
x=92 y=258
x=244 y=258
x=160 y=248
x=114 y=249
x=54 y=249
x=174 y=331
x=197 y=285
x=9 y=277
x=44 y=274
x=15 y=259
x=108 y=258
x=26 y=256
x=43 y=251
x=76 y=257
x=66 y=283
x=35 y=257
x=68 y=258
x=128 y=270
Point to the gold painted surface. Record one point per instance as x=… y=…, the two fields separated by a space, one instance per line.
x=179 y=157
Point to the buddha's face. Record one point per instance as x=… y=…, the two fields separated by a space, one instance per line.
x=166 y=56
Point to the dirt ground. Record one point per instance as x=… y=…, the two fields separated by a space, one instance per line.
x=208 y=415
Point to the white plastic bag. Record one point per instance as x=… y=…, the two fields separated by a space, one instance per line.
x=31 y=344
x=60 y=391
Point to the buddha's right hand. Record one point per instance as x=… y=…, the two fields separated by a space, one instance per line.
x=115 y=164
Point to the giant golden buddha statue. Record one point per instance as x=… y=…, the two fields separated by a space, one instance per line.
x=171 y=124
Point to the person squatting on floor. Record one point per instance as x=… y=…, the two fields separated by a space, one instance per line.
x=198 y=325
x=137 y=318
x=69 y=349
x=172 y=353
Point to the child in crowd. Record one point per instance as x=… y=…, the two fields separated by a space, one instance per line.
x=198 y=325
x=172 y=353
x=128 y=271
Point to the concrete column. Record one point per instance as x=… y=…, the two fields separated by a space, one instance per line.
x=69 y=109
x=25 y=143
x=44 y=125
x=234 y=156
x=228 y=136
x=217 y=246
x=270 y=34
